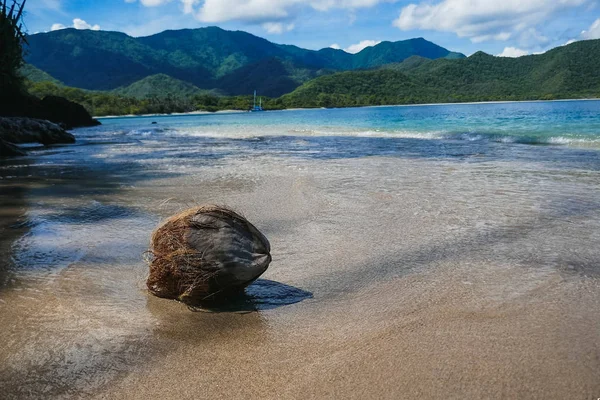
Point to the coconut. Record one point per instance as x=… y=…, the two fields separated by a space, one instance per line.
x=205 y=253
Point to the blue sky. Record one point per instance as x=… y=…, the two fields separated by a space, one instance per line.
x=508 y=27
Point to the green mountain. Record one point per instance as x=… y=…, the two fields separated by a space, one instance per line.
x=209 y=58
x=34 y=74
x=158 y=85
x=564 y=72
x=273 y=77
x=413 y=62
x=394 y=52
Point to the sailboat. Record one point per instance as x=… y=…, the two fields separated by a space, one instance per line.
x=256 y=108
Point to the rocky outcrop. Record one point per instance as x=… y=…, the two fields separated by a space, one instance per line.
x=29 y=130
x=65 y=112
x=52 y=108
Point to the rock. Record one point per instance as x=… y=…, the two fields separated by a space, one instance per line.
x=10 y=150
x=62 y=111
x=204 y=253
x=29 y=130
x=52 y=108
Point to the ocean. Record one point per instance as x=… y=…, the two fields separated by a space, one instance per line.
x=558 y=122
x=418 y=251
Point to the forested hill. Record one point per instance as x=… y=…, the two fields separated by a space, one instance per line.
x=564 y=72
x=159 y=85
x=231 y=62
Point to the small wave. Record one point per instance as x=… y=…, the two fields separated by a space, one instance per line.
x=251 y=134
x=244 y=132
x=566 y=140
x=522 y=139
x=591 y=142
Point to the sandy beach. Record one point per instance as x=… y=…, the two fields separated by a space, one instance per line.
x=394 y=275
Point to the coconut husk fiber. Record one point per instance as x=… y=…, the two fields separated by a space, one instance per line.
x=204 y=253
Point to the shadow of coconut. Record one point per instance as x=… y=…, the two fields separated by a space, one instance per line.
x=263 y=294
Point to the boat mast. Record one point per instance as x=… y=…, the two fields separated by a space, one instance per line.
x=255 y=99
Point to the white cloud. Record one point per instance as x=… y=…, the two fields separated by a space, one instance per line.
x=258 y=11
x=484 y=20
x=78 y=23
x=356 y=48
x=188 y=5
x=57 y=27
x=593 y=32
x=250 y=11
x=277 y=28
x=513 y=52
x=532 y=38
x=81 y=24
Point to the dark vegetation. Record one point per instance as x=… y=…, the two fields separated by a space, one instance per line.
x=109 y=103
x=12 y=39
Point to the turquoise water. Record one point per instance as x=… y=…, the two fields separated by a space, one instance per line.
x=561 y=134
x=568 y=123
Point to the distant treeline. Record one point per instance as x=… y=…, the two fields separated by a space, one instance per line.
x=106 y=103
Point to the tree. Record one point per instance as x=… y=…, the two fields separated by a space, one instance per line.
x=12 y=39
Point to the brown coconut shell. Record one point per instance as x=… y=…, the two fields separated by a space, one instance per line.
x=205 y=252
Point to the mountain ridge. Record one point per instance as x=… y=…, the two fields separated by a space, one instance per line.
x=205 y=57
x=560 y=73
x=566 y=72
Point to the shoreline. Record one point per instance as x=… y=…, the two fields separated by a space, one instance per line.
x=191 y=113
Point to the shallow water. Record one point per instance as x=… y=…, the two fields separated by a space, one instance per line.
x=417 y=251
x=569 y=122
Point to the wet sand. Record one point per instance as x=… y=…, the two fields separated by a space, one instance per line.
x=12 y=208
x=425 y=278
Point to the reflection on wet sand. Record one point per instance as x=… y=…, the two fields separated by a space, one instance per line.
x=12 y=207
